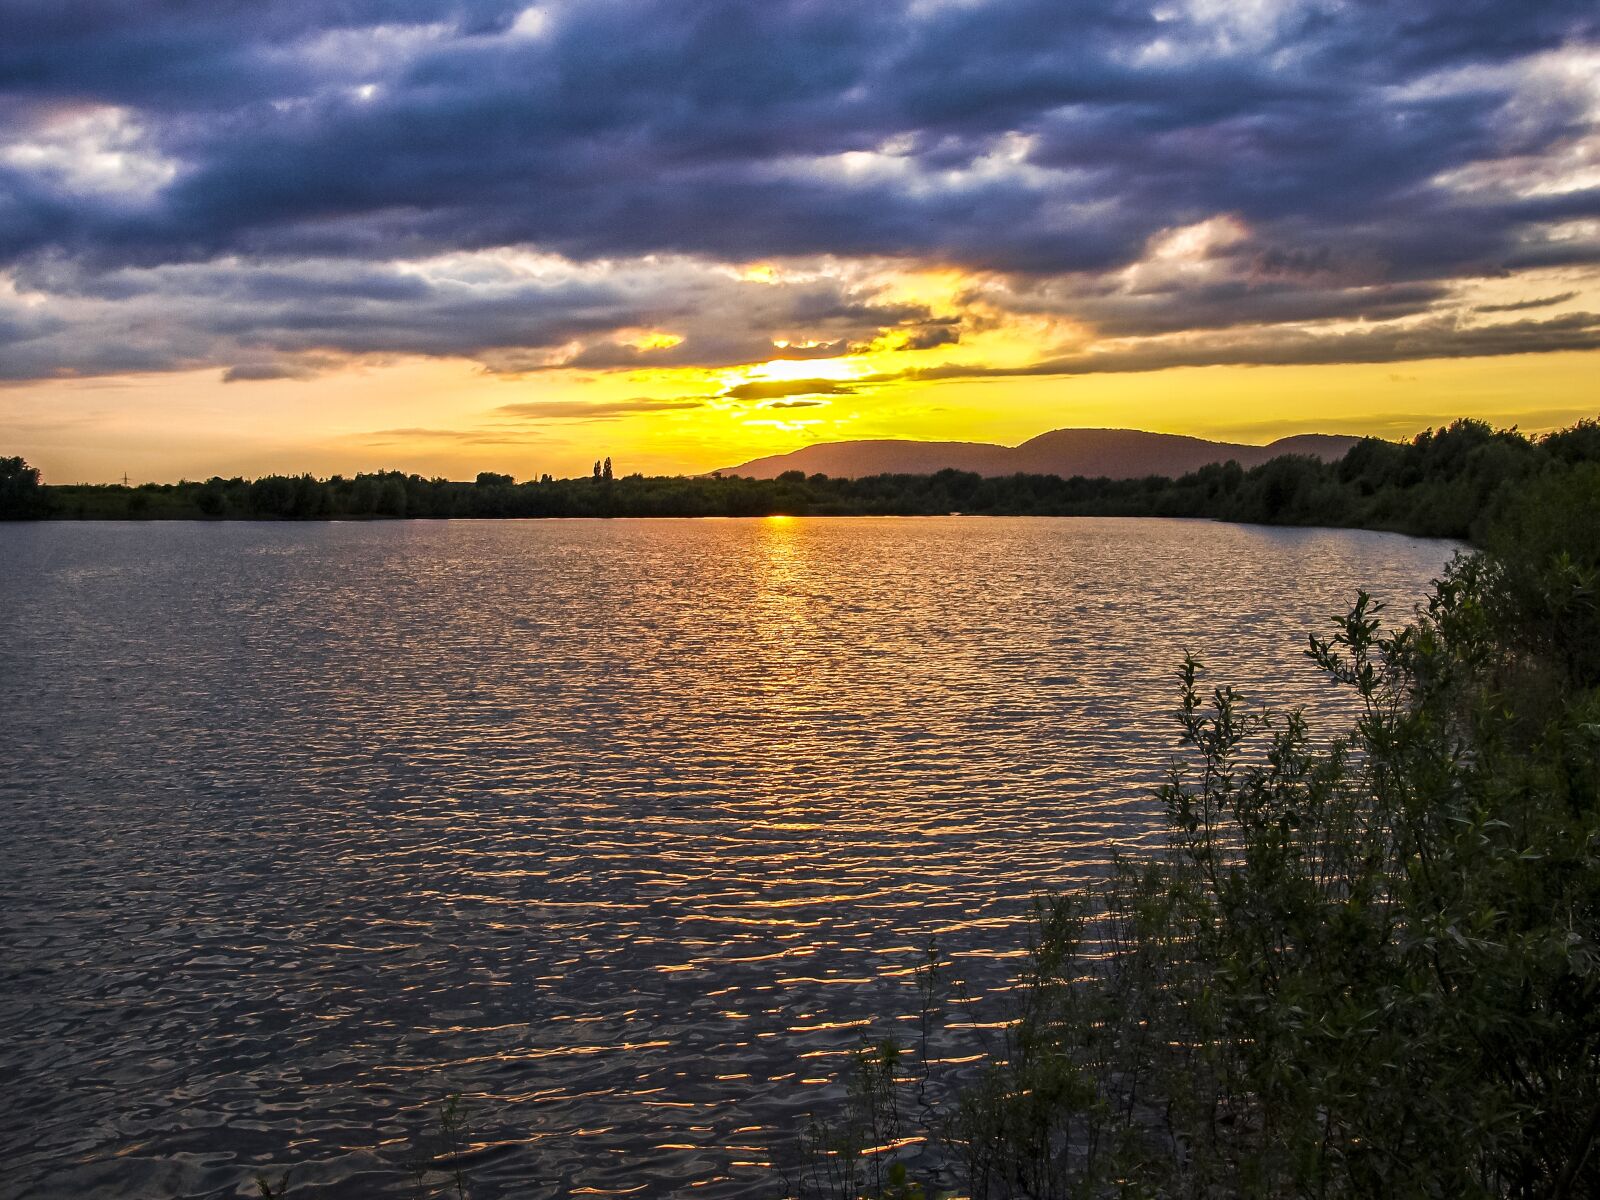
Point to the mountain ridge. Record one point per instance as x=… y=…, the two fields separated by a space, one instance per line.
x=1108 y=453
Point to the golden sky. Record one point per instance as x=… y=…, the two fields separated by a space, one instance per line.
x=454 y=416
x=446 y=417
x=463 y=235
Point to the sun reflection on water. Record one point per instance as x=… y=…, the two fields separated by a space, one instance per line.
x=621 y=829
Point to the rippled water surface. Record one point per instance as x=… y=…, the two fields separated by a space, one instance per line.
x=621 y=829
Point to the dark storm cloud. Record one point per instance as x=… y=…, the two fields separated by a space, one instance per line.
x=1523 y=305
x=464 y=437
x=772 y=389
x=265 y=320
x=261 y=372
x=294 y=149
x=1283 y=347
x=1243 y=301
x=246 y=316
x=589 y=410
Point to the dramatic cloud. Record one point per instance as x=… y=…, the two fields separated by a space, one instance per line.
x=511 y=310
x=1428 y=339
x=270 y=189
x=1523 y=305
x=770 y=390
x=571 y=410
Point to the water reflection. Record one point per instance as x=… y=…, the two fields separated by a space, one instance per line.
x=623 y=829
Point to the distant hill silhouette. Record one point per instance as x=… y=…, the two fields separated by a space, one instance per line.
x=1112 y=453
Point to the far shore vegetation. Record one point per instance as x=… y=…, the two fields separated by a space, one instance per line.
x=1443 y=483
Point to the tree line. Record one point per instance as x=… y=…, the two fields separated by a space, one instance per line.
x=1442 y=483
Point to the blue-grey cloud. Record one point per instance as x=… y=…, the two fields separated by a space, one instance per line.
x=263 y=372
x=300 y=154
x=1524 y=305
x=1428 y=339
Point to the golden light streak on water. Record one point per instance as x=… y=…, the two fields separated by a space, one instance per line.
x=628 y=832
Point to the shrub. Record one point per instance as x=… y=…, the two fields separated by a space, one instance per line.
x=1361 y=968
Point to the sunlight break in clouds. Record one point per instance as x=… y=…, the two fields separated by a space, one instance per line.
x=100 y=150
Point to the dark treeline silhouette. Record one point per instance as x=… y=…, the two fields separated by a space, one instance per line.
x=21 y=494
x=1442 y=483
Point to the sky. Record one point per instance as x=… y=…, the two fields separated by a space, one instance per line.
x=448 y=236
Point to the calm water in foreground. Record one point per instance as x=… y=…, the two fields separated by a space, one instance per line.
x=622 y=829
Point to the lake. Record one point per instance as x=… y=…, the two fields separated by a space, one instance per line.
x=625 y=830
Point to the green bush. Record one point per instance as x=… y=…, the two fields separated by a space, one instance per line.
x=21 y=494
x=1360 y=968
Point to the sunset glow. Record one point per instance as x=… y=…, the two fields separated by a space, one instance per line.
x=1196 y=247
x=805 y=598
